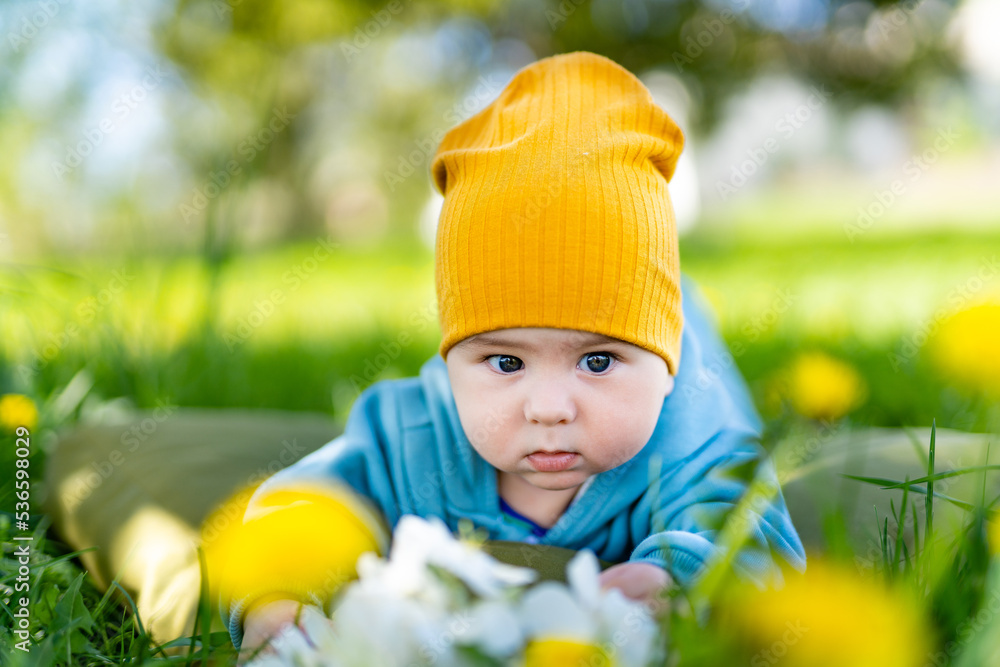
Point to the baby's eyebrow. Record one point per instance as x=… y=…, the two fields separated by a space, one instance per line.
x=582 y=340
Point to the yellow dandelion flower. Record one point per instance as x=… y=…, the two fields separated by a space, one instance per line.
x=994 y=534
x=17 y=410
x=301 y=541
x=553 y=651
x=964 y=348
x=821 y=387
x=831 y=617
x=219 y=532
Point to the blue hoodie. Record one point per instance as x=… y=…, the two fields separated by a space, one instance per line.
x=404 y=449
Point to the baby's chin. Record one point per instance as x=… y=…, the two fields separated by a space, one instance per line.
x=556 y=481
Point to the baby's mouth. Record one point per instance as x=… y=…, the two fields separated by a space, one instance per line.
x=552 y=461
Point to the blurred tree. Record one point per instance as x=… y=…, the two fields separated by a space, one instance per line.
x=879 y=51
x=255 y=56
x=298 y=117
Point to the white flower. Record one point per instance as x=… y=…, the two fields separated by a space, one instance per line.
x=418 y=542
x=376 y=629
x=313 y=645
x=550 y=610
x=585 y=613
x=494 y=628
x=401 y=612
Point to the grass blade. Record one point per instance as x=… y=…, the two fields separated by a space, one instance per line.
x=900 y=525
x=885 y=550
x=986 y=463
x=893 y=484
x=948 y=473
x=205 y=605
x=929 y=497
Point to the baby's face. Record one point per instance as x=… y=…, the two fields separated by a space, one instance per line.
x=555 y=406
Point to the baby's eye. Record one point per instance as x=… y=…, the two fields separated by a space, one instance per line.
x=597 y=362
x=505 y=363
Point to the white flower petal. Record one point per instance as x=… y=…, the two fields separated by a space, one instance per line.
x=268 y=661
x=290 y=647
x=549 y=609
x=628 y=626
x=583 y=573
x=493 y=626
x=418 y=542
x=319 y=630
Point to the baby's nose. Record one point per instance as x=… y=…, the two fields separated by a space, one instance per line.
x=549 y=401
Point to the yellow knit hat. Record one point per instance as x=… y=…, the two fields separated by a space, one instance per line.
x=556 y=210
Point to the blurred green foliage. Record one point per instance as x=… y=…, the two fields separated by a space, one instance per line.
x=282 y=329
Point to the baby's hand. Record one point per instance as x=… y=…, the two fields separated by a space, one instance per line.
x=263 y=623
x=641 y=582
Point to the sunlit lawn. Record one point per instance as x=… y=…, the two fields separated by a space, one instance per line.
x=305 y=328
x=284 y=329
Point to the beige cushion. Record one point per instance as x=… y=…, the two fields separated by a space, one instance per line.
x=138 y=489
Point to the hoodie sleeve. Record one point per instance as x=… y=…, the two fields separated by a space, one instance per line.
x=314 y=518
x=711 y=484
x=712 y=424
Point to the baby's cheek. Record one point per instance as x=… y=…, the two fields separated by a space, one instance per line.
x=649 y=414
x=620 y=446
x=486 y=427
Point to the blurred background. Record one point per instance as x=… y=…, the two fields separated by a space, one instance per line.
x=227 y=202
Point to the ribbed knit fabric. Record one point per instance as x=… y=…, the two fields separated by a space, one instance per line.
x=556 y=210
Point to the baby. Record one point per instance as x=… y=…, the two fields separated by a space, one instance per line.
x=560 y=410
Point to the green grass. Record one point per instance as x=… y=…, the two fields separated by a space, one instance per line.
x=73 y=623
x=168 y=335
